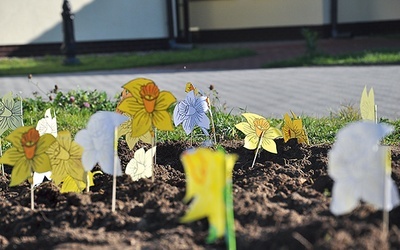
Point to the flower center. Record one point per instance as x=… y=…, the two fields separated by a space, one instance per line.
x=261 y=125
x=149 y=94
x=29 y=141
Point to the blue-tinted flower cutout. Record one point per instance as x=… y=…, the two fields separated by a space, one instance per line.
x=191 y=112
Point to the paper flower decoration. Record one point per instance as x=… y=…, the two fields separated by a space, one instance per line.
x=126 y=129
x=97 y=141
x=141 y=166
x=48 y=124
x=357 y=164
x=148 y=106
x=207 y=173
x=191 y=112
x=73 y=185
x=258 y=128
x=367 y=105
x=10 y=113
x=294 y=129
x=190 y=87
x=65 y=157
x=28 y=153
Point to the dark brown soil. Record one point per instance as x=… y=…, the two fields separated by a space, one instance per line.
x=282 y=203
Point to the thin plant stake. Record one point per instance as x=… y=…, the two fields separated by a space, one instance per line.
x=114 y=186
x=1 y=154
x=230 y=220
x=32 y=197
x=386 y=198
x=376 y=113
x=87 y=182
x=153 y=143
x=212 y=125
x=257 y=149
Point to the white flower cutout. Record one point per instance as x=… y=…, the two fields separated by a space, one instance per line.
x=140 y=166
x=97 y=141
x=191 y=112
x=39 y=177
x=48 y=124
x=357 y=164
x=10 y=113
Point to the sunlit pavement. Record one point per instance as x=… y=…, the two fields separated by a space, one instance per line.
x=313 y=91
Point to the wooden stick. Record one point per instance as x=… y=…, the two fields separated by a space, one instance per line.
x=114 y=186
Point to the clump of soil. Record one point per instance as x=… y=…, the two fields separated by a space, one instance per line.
x=281 y=203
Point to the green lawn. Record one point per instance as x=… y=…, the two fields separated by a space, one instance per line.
x=54 y=64
x=377 y=57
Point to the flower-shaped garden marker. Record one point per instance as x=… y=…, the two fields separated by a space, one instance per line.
x=190 y=87
x=10 y=116
x=191 y=112
x=99 y=141
x=125 y=129
x=367 y=105
x=208 y=185
x=27 y=155
x=65 y=157
x=148 y=107
x=141 y=164
x=46 y=125
x=259 y=133
x=358 y=165
x=294 y=129
x=10 y=113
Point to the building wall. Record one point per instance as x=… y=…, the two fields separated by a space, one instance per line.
x=40 y=21
x=352 y=11
x=239 y=14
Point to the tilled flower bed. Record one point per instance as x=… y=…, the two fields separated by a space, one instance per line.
x=281 y=203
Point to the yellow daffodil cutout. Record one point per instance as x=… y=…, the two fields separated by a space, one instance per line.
x=294 y=129
x=367 y=105
x=207 y=172
x=28 y=153
x=258 y=131
x=148 y=106
x=126 y=129
x=190 y=87
x=65 y=157
x=73 y=185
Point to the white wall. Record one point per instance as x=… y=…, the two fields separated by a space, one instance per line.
x=40 y=21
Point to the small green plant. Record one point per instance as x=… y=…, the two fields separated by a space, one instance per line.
x=311 y=38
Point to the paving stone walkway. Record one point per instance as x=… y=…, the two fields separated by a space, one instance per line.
x=243 y=86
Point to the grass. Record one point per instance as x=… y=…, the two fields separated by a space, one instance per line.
x=73 y=116
x=54 y=64
x=375 y=57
